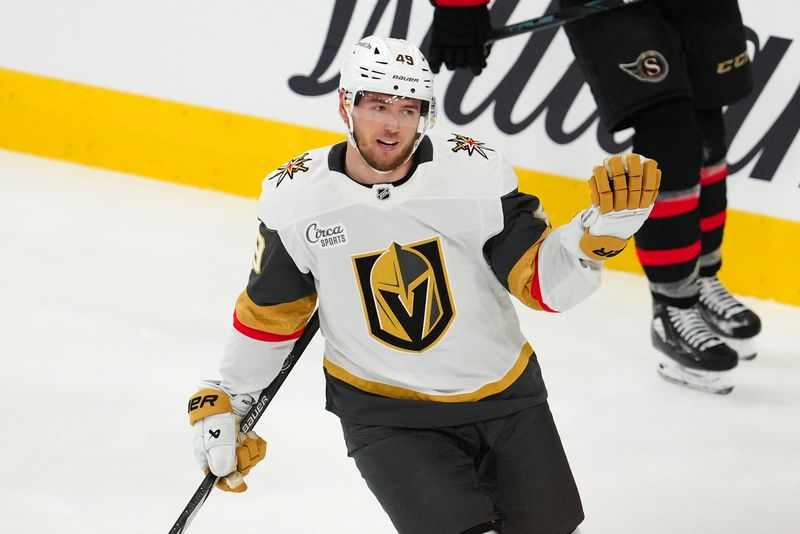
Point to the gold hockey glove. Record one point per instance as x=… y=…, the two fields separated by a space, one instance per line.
x=622 y=190
x=218 y=445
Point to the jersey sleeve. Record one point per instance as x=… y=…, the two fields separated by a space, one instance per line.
x=512 y=253
x=270 y=314
x=529 y=260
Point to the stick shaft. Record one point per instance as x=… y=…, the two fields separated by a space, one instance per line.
x=248 y=422
x=556 y=19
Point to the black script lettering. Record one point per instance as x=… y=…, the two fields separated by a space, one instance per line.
x=607 y=142
x=311 y=85
x=775 y=143
x=557 y=103
x=768 y=152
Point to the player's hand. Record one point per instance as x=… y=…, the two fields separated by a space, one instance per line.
x=218 y=444
x=622 y=190
x=458 y=38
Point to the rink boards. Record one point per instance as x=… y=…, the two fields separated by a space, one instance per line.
x=222 y=112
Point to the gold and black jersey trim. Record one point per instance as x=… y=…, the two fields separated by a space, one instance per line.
x=396 y=392
x=279 y=298
x=523 y=280
x=276 y=322
x=275 y=277
x=512 y=252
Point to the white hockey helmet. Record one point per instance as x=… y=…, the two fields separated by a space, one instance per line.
x=390 y=66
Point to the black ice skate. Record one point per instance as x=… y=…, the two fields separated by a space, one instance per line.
x=734 y=322
x=692 y=354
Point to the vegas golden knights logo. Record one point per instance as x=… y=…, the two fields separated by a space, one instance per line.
x=406 y=294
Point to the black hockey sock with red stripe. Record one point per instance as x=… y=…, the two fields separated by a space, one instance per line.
x=669 y=243
x=713 y=195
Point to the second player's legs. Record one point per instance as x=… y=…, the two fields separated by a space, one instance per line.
x=727 y=316
x=713 y=195
x=666 y=59
x=673 y=241
x=669 y=243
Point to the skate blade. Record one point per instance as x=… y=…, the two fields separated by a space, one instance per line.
x=745 y=348
x=717 y=382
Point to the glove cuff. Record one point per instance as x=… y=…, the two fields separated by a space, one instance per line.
x=208 y=402
x=601 y=247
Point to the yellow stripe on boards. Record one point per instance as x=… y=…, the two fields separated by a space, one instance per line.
x=146 y=136
x=232 y=153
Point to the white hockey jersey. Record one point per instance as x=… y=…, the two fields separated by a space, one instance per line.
x=412 y=278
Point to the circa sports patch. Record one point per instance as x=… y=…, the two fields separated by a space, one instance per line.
x=326 y=236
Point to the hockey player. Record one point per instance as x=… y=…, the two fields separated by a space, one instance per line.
x=411 y=244
x=667 y=72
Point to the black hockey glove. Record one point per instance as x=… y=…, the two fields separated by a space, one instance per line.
x=458 y=38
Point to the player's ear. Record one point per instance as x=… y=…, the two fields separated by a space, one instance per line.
x=342 y=112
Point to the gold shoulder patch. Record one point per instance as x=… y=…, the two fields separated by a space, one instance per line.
x=470 y=145
x=291 y=168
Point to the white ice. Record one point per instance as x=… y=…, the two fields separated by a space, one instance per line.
x=116 y=294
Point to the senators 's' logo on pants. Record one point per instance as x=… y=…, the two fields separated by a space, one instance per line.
x=406 y=294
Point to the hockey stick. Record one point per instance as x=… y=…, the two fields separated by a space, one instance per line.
x=248 y=422
x=556 y=19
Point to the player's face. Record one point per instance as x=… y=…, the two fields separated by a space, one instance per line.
x=385 y=128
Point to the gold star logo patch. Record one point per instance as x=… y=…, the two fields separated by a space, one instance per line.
x=288 y=171
x=469 y=144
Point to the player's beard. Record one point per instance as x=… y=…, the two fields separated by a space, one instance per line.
x=400 y=155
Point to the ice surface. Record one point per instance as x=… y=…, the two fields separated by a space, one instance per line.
x=116 y=295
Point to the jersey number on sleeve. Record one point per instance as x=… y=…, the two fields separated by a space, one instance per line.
x=261 y=246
